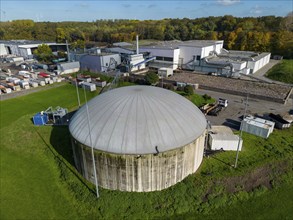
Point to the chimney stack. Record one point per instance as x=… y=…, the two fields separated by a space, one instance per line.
x=137 y=44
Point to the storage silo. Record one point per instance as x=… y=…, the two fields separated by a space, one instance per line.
x=144 y=138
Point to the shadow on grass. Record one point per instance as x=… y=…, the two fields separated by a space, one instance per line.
x=222 y=161
x=60 y=140
x=62 y=151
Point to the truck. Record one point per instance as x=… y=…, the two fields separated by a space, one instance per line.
x=215 y=108
x=223 y=102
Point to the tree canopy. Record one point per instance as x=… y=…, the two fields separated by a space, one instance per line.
x=43 y=53
x=151 y=78
x=267 y=33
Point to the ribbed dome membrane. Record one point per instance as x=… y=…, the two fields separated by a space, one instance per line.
x=136 y=119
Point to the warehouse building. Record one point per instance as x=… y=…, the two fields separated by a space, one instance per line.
x=100 y=62
x=25 y=48
x=144 y=138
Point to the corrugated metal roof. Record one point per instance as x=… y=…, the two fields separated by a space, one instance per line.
x=136 y=119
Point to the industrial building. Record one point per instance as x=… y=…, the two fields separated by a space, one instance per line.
x=207 y=56
x=99 y=62
x=25 y=48
x=257 y=126
x=144 y=138
x=223 y=138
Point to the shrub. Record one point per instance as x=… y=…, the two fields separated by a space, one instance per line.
x=151 y=78
x=188 y=89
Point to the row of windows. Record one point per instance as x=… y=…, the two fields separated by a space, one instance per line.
x=170 y=59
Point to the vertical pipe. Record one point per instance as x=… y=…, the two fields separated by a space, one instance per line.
x=137 y=49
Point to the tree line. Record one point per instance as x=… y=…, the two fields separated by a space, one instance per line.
x=267 y=33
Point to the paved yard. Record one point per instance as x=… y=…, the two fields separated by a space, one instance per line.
x=231 y=115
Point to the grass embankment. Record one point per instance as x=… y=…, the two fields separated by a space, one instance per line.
x=198 y=100
x=39 y=182
x=282 y=72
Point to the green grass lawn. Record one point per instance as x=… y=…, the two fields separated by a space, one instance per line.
x=38 y=180
x=196 y=99
x=282 y=72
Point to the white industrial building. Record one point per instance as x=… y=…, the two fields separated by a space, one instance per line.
x=257 y=126
x=222 y=138
x=100 y=62
x=25 y=48
x=166 y=55
x=205 y=56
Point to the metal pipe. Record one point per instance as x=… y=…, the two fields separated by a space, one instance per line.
x=137 y=49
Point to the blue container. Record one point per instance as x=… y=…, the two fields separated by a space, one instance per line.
x=40 y=119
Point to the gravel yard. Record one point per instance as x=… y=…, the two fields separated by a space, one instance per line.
x=262 y=90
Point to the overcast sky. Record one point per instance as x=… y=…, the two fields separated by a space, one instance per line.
x=91 y=10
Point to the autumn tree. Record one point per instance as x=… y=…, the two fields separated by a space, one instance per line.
x=43 y=53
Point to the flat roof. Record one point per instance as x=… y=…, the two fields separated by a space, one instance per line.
x=245 y=55
x=222 y=133
x=259 y=122
x=27 y=43
x=175 y=44
x=223 y=60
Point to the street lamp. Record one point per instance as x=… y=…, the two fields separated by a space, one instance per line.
x=92 y=147
x=240 y=136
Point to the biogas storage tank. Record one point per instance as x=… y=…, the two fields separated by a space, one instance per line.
x=144 y=138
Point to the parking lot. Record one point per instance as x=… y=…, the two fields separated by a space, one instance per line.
x=236 y=107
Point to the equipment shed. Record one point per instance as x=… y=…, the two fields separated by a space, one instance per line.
x=257 y=126
x=222 y=138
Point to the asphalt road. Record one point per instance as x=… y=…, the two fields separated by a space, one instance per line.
x=231 y=116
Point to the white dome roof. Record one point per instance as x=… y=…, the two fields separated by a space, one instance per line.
x=136 y=119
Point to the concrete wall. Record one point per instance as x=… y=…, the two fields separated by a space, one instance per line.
x=141 y=173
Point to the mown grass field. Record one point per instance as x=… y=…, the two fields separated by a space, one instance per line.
x=38 y=180
x=282 y=72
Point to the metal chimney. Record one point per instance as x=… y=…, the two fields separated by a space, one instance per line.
x=137 y=44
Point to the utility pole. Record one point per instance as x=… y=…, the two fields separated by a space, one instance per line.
x=91 y=143
x=207 y=136
x=240 y=136
x=77 y=93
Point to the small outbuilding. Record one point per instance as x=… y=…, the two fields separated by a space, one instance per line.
x=223 y=138
x=257 y=126
x=89 y=86
x=165 y=72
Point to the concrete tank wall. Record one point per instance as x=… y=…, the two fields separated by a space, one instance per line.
x=141 y=173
